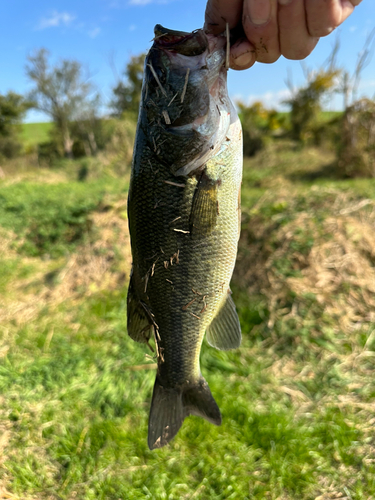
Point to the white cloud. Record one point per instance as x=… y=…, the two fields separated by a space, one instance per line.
x=94 y=32
x=55 y=20
x=140 y=2
x=269 y=99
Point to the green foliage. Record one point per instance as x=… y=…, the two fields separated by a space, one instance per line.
x=49 y=152
x=64 y=94
x=356 y=145
x=306 y=104
x=120 y=145
x=127 y=93
x=12 y=109
x=48 y=219
x=90 y=136
x=258 y=124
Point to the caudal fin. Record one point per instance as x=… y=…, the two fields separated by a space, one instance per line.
x=170 y=406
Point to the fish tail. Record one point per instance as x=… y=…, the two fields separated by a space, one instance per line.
x=171 y=405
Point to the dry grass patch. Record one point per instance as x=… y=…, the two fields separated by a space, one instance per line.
x=103 y=264
x=325 y=251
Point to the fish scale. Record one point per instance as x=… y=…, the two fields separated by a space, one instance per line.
x=184 y=231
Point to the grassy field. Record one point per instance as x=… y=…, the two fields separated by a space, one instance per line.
x=35 y=133
x=297 y=398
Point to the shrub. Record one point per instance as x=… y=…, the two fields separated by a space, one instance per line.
x=258 y=123
x=122 y=141
x=9 y=147
x=356 y=152
x=306 y=104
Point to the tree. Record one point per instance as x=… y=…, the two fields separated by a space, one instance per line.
x=306 y=102
x=127 y=93
x=12 y=109
x=63 y=93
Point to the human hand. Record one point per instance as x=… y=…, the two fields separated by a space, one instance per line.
x=275 y=27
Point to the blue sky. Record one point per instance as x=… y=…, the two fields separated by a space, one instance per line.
x=103 y=34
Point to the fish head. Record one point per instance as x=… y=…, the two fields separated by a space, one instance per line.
x=185 y=97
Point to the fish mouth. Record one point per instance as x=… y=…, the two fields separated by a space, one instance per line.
x=180 y=42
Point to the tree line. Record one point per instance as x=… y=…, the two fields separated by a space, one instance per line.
x=65 y=93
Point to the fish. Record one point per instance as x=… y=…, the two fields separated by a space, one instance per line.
x=184 y=220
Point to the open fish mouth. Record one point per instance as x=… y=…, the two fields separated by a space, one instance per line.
x=186 y=86
x=187 y=44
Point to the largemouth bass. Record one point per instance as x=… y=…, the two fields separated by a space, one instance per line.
x=184 y=219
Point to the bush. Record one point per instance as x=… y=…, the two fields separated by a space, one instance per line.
x=49 y=152
x=12 y=109
x=356 y=152
x=9 y=147
x=258 y=123
x=306 y=104
x=122 y=142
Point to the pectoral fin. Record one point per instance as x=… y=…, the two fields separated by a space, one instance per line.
x=204 y=209
x=224 y=332
x=139 y=320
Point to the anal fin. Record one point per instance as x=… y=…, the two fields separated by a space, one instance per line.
x=139 y=322
x=224 y=332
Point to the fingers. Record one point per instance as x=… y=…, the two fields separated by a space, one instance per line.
x=242 y=55
x=260 y=25
x=276 y=27
x=220 y=12
x=323 y=16
x=295 y=40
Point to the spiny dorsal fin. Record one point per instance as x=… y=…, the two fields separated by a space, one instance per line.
x=139 y=321
x=224 y=332
x=205 y=209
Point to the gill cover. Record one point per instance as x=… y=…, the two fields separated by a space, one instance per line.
x=185 y=98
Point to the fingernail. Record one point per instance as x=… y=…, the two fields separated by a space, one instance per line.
x=244 y=59
x=259 y=11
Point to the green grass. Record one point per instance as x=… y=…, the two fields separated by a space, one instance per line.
x=296 y=398
x=35 y=133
